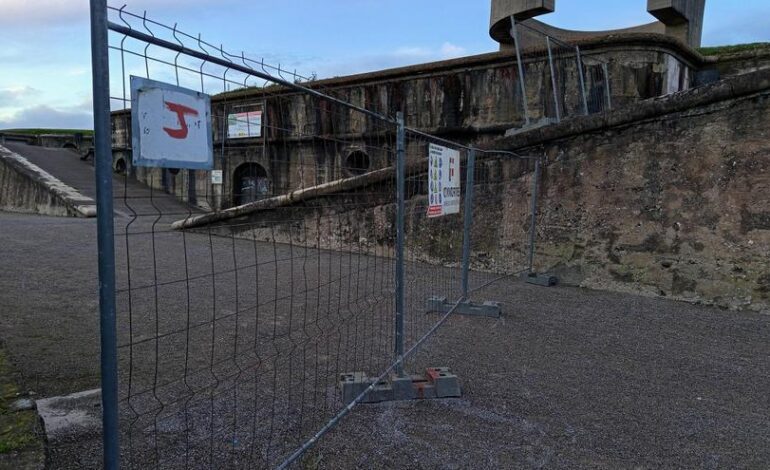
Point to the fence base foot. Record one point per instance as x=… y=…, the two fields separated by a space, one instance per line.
x=487 y=309
x=541 y=279
x=438 y=382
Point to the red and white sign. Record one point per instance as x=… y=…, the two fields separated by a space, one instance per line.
x=443 y=181
x=171 y=126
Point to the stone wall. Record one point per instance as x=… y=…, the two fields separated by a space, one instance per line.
x=669 y=199
x=740 y=63
x=26 y=188
x=677 y=206
x=469 y=100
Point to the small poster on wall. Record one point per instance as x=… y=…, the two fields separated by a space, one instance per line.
x=244 y=125
x=444 y=181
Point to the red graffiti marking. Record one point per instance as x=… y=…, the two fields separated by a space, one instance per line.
x=180 y=111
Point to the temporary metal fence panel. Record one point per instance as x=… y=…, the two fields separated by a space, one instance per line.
x=234 y=324
x=433 y=232
x=498 y=238
x=232 y=337
x=559 y=80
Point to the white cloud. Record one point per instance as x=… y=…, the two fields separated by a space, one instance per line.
x=26 y=13
x=402 y=56
x=48 y=117
x=12 y=96
x=449 y=50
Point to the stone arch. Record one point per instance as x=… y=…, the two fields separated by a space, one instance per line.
x=357 y=162
x=250 y=183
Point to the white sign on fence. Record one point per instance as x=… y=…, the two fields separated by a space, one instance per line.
x=171 y=126
x=444 y=181
x=244 y=125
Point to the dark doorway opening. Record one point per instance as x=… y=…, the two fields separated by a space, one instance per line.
x=250 y=183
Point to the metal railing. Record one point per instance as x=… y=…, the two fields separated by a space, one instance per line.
x=571 y=87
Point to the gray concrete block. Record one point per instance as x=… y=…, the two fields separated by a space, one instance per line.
x=402 y=387
x=436 y=304
x=438 y=382
x=383 y=391
x=446 y=383
x=352 y=384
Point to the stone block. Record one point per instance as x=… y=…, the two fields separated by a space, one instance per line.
x=436 y=304
x=403 y=389
x=445 y=382
x=352 y=384
x=383 y=391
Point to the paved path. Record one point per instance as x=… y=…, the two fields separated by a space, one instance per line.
x=567 y=378
x=64 y=164
x=67 y=166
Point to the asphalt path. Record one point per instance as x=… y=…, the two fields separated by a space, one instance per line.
x=566 y=378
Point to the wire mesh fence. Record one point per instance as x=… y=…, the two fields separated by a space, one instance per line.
x=232 y=338
x=559 y=80
x=233 y=334
x=501 y=224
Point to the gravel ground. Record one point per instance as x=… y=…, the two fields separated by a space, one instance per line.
x=566 y=378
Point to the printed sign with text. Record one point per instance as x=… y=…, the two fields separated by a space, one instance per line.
x=244 y=125
x=443 y=181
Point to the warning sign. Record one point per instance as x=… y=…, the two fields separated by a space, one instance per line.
x=171 y=126
x=444 y=181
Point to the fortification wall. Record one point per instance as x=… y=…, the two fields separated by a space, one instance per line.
x=670 y=199
x=469 y=100
x=673 y=205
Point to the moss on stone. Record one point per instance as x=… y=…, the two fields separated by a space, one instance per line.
x=18 y=429
x=720 y=50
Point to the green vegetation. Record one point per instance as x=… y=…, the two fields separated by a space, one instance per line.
x=49 y=131
x=17 y=429
x=719 y=50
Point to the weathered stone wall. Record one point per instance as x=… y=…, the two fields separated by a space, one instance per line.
x=26 y=188
x=741 y=63
x=677 y=206
x=470 y=100
x=671 y=199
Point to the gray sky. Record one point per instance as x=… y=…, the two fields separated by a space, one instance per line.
x=45 y=57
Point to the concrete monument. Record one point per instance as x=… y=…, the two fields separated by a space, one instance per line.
x=682 y=19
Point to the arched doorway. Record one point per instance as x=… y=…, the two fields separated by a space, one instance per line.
x=250 y=183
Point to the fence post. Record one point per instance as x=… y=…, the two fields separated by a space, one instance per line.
x=533 y=223
x=553 y=79
x=469 y=180
x=607 y=85
x=105 y=231
x=581 y=75
x=400 y=236
x=515 y=36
